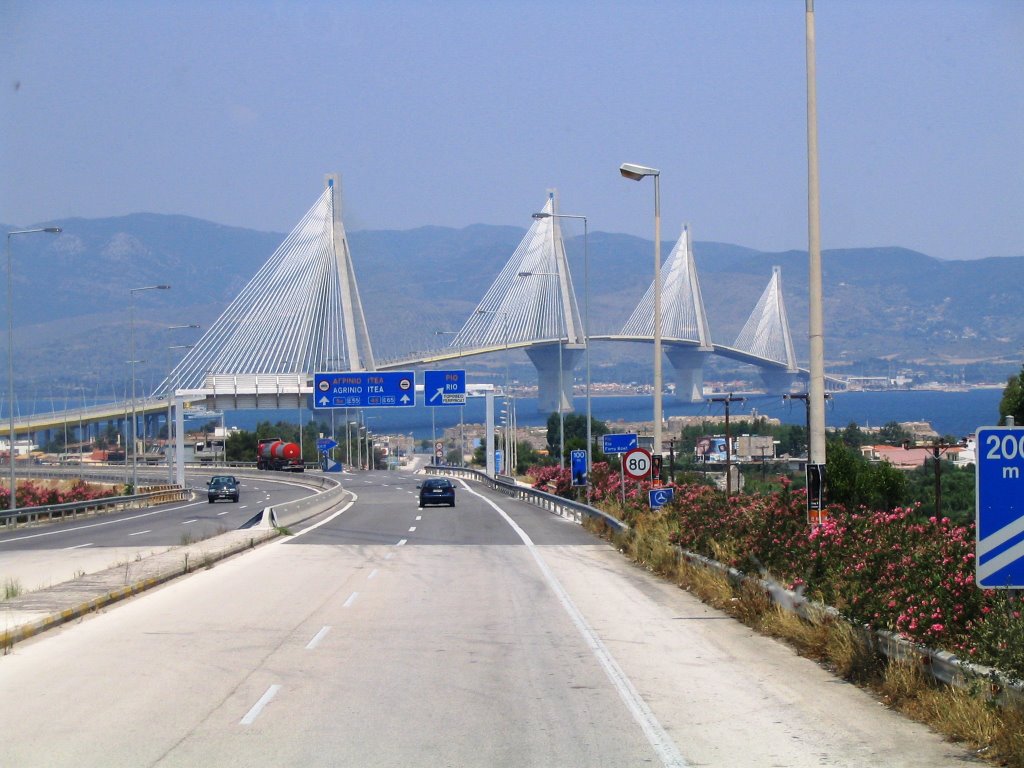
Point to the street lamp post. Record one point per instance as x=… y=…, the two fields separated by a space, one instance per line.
x=131 y=431
x=10 y=349
x=636 y=173
x=170 y=395
x=561 y=385
x=504 y=316
x=586 y=326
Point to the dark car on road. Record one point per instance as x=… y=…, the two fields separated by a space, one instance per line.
x=437 y=490
x=222 y=487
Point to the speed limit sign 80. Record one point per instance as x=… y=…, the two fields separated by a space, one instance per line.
x=637 y=463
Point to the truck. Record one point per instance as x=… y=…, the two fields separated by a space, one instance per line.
x=275 y=454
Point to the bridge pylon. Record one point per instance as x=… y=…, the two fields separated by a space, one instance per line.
x=766 y=334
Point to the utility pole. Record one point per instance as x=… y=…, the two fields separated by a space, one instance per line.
x=938 y=447
x=728 y=437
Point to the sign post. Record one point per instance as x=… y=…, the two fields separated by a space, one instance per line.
x=999 y=489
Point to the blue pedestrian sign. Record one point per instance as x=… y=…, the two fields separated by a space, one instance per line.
x=364 y=389
x=660 y=497
x=619 y=443
x=999 y=551
x=441 y=388
x=579 y=467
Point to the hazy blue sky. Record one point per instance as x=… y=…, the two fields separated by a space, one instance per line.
x=454 y=113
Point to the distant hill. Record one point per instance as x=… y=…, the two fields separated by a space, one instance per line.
x=885 y=308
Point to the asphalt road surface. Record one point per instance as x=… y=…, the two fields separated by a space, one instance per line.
x=40 y=556
x=488 y=634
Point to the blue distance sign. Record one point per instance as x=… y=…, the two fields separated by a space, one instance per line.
x=325 y=444
x=659 y=497
x=364 y=389
x=619 y=443
x=579 y=466
x=999 y=488
x=441 y=388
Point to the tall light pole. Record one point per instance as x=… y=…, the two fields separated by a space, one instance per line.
x=131 y=431
x=638 y=172
x=170 y=398
x=561 y=385
x=10 y=349
x=586 y=326
x=504 y=316
x=816 y=325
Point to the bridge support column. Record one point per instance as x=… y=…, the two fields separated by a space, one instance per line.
x=688 y=364
x=546 y=361
x=778 y=381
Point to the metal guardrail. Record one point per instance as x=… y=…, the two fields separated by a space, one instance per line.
x=558 y=505
x=74 y=509
x=941 y=665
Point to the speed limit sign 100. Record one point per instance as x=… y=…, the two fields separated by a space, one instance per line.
x=637 y=463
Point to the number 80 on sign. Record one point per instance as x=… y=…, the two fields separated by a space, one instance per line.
x=637 y=463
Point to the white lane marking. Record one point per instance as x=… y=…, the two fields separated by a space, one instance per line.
x=225 y=512
x=413 y=528
x=419 y=517
x=139 y=533
x=317 y=638
x=656 y=734
x=373 y=574
x=265 y=699
x=351 y=599
x=285 y=539
x=97 y=525
x=79 y=546
x=401 y=543
x=186 y=522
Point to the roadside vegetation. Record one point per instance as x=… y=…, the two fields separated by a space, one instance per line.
x=38 y=494
x=883 y=560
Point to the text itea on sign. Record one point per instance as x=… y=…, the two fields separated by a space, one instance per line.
x=364 y=389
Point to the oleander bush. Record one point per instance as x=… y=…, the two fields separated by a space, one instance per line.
x=896 y=570
x=31 y=494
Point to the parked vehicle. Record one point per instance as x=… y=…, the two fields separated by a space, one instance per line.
x=222 y=487
x=274 y=453
x=437 y=490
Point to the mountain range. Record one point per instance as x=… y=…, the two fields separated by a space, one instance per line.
x=886 y=309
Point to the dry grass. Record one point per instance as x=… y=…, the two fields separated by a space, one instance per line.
x=995 y=731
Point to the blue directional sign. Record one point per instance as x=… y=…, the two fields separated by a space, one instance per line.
x=364 y=389
x=579 y=466
x=660 y=496
x=999 y=551
x=499 y=462
x=619 y=443
x=441 y=388
x=325 y=444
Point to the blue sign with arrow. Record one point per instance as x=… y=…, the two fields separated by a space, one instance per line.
x=619 y=443
x=660 y=496
x=364 y=389
x=999 y=485
x=579 y=467
x=325 y=444
x=441 y=388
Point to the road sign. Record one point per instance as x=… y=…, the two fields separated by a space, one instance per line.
x=441 y=388
x=439 y=450
x=578 y=460
x=499 y=462
x=999 y=489
x=619 y=443
x=637 y=463
x=659 y=497
x=364 y=389
x=325 y=444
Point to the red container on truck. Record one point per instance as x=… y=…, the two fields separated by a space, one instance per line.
x=274 y=453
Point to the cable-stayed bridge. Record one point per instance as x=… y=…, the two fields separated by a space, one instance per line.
x=302 y=313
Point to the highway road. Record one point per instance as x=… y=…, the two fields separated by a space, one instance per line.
x=40 y=556
x=381 y=634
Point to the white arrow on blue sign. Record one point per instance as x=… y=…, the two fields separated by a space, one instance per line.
x=441 y=388
x=999 y=488
x=364 y=389
x=619 y=442
x=659 y=497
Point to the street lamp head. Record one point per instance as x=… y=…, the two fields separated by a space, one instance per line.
x=542 y=215
x=637 y=172
x=53 y=230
